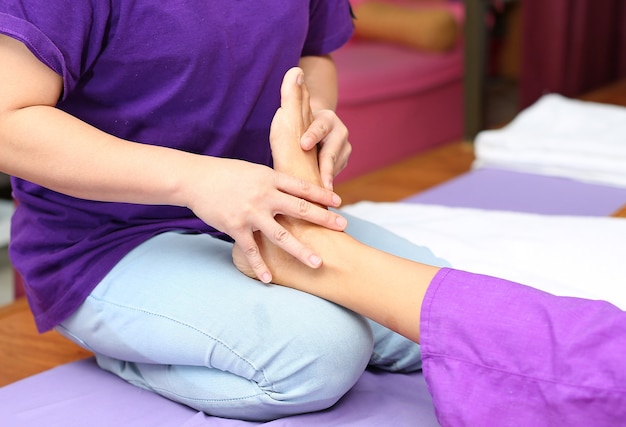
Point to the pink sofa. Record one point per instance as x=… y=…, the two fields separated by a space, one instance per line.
x=397 y=102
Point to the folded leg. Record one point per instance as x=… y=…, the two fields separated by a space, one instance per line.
x=177 y=318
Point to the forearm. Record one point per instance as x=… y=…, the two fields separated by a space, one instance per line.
x=321 y=78
x=383 y=287
x=45 y=145
x=69 y=156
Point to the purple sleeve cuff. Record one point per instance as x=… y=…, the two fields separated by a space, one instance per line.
x=38 y=43
x=499 y=352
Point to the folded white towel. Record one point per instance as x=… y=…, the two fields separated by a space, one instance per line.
x=563 y=255
x=559 y=136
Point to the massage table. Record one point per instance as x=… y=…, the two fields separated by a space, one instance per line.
x=79 y=393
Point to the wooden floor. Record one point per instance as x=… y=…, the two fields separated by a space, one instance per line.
x=23 y=352
x=410 y=176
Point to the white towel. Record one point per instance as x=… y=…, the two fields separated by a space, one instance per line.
x=563 y=255
x=563 y=137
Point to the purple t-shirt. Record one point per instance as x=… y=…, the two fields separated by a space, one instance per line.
x=198 y=76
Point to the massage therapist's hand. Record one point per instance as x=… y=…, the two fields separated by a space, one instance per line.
x=328 y=133
x=250 y=196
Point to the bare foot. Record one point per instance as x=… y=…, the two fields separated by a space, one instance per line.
x=375 y=284
x=289 y=123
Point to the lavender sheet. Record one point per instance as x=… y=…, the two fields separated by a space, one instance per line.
x=79 y=393
x=497 y=189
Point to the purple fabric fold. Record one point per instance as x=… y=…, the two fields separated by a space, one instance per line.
x=496 y=350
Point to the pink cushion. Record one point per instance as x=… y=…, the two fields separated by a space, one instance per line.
x=397 y=101
x=369 y=71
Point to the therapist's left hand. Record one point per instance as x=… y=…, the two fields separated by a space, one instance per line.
x=328 y=133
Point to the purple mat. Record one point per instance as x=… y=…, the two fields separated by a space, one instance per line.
x=81 y=394
x=524 y=192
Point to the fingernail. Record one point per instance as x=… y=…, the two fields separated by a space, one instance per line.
x=336 y=200
x=266 y=277
x=307 y=142
x=300 y=79
x=341 y=221
x=315 y=261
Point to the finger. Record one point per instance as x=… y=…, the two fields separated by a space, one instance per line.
x=318 y=215
x=325 y=128
x=292 y=96
x=302 y=209
x=282 y=238
x=331 y=163
x=254 y=258
x=306 y=190
x=327 y=168
x=315 y=133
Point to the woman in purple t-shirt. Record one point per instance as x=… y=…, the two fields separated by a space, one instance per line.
x=137 y=135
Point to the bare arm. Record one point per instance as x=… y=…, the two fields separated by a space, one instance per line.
x=67 y=155
x=321 y=79
x=45 y=145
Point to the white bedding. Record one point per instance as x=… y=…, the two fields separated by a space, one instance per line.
x=564 y=255
x=559 y=136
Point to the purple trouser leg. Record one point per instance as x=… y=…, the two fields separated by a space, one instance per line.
x=500 y=353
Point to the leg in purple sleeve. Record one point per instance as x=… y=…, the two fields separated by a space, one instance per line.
x=495 y=350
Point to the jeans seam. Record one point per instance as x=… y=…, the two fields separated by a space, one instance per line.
x=164 y=392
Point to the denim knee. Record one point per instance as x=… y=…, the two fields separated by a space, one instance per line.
x=326 y=366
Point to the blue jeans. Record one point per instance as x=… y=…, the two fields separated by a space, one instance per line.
x=176 y=317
